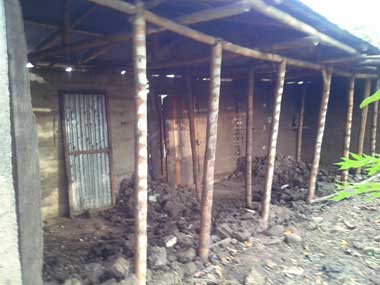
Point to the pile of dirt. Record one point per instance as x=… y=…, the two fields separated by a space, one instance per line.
x=287 y=171
x=173 y=233
x=290 y=178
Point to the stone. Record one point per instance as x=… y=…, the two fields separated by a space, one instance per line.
x=170 y=240
x=94 y=271
x=242 y=235
x=112 y=281
x=294 y=270
x=254 y=277
x=293 y=239
x=157 y=257
x=276 y=231
x=184 y=240
x=178 y=268
x=333 y=269
x=130 y=280
x=72 y=281
x=118 y=267
x=186 y=255
x=224 y=230
x=166 y=278
x=189 y=268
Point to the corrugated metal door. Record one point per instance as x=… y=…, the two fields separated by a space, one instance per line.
x=87 y=151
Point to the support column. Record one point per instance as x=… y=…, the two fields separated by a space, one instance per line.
x=273 y=143
x=363 y=121
x=211 y=138
x=249 y=136
x=347 y=131
x=327 y=77
x=300 y=124
x=193 y=139
x=374 y=121
x=141 y=152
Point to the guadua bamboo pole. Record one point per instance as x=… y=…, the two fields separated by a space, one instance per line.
x=249 y=136
x=327 y=77
x=298 y=25
x=374 y=122
x=273 y=143
x=209 y=159
x=300 y=124
x=193 y=139
x=363 y=121
x=141 y=149
x=347 y=130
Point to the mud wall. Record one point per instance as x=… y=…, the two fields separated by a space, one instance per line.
x=231 y=125
x=332 y=146
x=45 y=89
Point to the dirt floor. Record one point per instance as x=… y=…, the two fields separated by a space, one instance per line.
x=326 y=243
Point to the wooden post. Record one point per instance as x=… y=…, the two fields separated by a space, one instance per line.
x=249 y=136
x=327 y=77
x=363 y=121
x=374 y=121
x=300 y=124
x=273 y=143
x=209 y=162
x=141 y=152
x=347 y=131
x=193 y=139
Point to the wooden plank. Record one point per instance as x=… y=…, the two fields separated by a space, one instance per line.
x=209 y=160
x=375 y=106
x=301 y=123
x=249 y=139
x=363 y=121
x=273 y=144
x=348 y=127
x=193 y=138
x=327 y=76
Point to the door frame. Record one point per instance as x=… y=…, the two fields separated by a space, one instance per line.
x=84 y=92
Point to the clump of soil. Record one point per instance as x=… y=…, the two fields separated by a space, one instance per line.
x=328 y=243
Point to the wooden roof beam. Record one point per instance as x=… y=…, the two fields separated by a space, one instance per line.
x=280 y=16
x=210 y=40
x=304 y=42
x=48 y=41
x=58 y=29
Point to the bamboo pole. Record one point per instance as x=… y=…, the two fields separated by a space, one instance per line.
x=300 y=124
x=193 y=139
x=209 y=159
x=249 y=136
x=273 y=144
x=185 y=31
x=327 y=77
x=363 y=121
x=374 y=122
x=347 y=131
x=141 y=153
x=298 y=43
x=298 y=25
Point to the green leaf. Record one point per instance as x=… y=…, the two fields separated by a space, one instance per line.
x=373 y=98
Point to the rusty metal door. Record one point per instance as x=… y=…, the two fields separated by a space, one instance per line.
x=87 y=151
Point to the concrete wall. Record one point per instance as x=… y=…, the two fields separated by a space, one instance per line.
x=21 y=236
x=10 y=265
x=45 y=90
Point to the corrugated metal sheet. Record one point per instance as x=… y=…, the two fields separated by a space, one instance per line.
x=87 y=151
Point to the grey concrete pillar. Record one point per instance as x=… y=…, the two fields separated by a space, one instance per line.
x=20 y=196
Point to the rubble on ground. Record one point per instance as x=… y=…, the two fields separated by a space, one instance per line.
x=290 y=178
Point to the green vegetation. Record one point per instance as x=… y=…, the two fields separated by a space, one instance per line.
x=370 y=165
